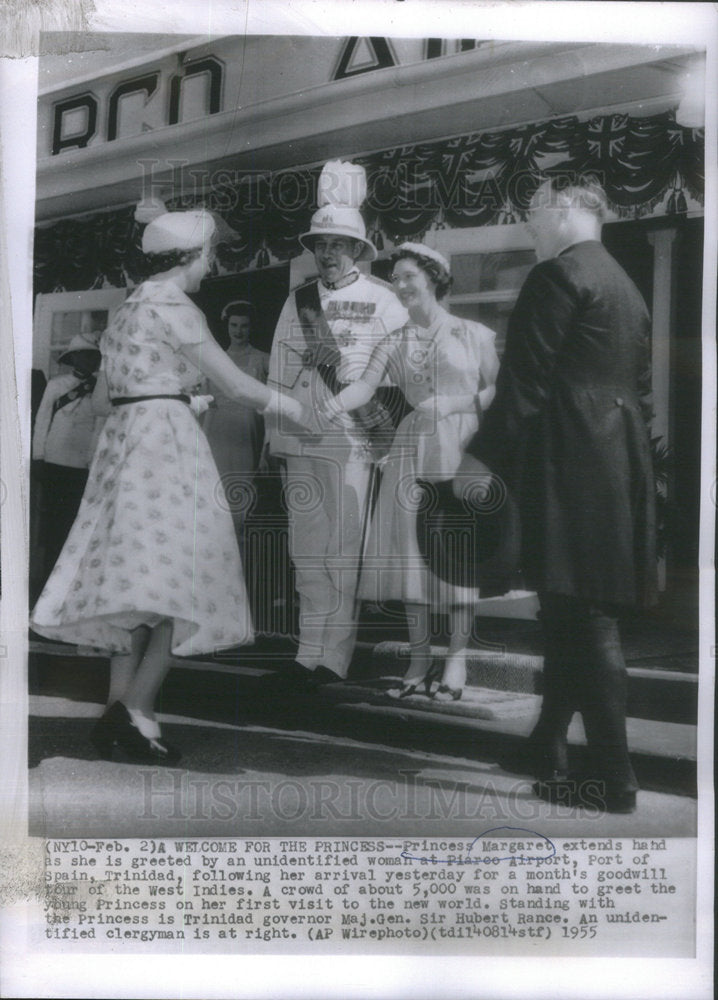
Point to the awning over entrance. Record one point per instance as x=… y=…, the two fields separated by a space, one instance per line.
x=482 y=178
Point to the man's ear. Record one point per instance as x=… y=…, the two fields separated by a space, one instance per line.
x=564 y=203
x=358 y=249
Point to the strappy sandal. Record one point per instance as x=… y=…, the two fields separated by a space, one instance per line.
x=408 y=688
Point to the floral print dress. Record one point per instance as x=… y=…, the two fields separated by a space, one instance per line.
x=153 y=538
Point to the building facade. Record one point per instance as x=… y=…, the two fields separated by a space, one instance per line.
x=453 y=135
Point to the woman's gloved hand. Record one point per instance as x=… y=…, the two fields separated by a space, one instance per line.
x=199 y=404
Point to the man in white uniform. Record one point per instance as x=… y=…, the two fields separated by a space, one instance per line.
x=324 y=338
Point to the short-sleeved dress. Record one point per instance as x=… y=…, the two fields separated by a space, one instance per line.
x=150 y=541
x=453 y=357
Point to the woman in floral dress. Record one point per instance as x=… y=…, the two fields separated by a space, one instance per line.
x=446 y=368
x=151 y=566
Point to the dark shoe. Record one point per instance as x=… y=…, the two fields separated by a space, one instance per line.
x=322 y=676
x=586 y=792
x=102 y=736
x=432 y=674
x=408 y=688
x=116 y=733
x=620 y=802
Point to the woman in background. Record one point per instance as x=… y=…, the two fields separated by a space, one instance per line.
x=235 y=431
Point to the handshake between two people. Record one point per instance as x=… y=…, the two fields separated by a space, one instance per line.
x=337 y=409
x=472 y=482
x=298 y=416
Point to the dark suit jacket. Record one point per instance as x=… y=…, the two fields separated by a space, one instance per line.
x=567 y=429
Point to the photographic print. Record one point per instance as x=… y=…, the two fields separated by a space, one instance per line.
x=363 y=421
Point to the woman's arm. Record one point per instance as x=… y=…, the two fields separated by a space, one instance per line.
x=211 y=360
x=359 y=393
x=486 y=396
x=489 y=370
x=482 y=342
x=354 y=395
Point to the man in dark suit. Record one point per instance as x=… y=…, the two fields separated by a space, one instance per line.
x=567 y=433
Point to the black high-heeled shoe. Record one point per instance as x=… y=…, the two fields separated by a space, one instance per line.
x=409 y=688
x=115 y=731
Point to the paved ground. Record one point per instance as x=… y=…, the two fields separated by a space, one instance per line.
x=244 y=780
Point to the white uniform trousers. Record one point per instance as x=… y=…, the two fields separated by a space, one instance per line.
x=326 y=500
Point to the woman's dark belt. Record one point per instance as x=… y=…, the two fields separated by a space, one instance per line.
x=124 y=400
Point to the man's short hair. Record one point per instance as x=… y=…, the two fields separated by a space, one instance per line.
x=584 y=192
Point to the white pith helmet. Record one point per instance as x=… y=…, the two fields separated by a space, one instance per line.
x=341 y=189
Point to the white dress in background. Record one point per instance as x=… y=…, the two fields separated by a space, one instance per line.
x=235 y=433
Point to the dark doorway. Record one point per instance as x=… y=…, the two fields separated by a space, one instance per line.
x=265 y=289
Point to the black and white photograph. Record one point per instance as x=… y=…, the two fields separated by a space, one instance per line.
x=358 y=490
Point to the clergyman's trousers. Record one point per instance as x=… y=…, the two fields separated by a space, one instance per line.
x=584 y=671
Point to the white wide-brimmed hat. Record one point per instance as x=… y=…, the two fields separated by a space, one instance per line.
x=179 y=231
x=80 y=342
x=341 y=190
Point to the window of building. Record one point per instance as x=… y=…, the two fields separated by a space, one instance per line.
x=489 y=265
x=60 y=316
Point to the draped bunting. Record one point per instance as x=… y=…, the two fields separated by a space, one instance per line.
x=473 y=180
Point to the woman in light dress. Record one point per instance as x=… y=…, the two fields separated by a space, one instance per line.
x=151 y=566
x=446 y=367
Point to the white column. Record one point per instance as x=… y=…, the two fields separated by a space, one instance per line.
x=662 y=241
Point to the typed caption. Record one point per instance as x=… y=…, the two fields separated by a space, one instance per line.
x=504 y=892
